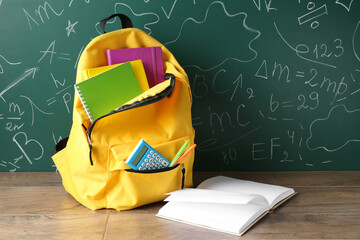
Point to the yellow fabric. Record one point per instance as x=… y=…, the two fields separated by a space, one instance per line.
x=165 y=125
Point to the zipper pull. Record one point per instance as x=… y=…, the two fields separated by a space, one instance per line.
x=90 y=146
x=183 y=175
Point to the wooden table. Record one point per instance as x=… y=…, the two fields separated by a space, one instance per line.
x=35 y=206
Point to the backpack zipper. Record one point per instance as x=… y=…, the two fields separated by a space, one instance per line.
x=149 y=100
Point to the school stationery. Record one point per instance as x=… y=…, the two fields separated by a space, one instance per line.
x=108 y=90
x=179 y=153
x=224 y=204
x=144 y=157
x=151 y=58
x=184 y=155
x=136 y=65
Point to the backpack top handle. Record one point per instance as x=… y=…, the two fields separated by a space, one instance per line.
x=125 y=21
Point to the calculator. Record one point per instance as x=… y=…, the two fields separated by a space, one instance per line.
x=144 y=157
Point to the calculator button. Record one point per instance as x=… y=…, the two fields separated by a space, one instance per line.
x=157 y=165
x=143 y=164
x=140 y=168
x=165 y=163
x=146 y=160
x=148 y=165
x=157 y=158
x=151 y=152
x=149 y=156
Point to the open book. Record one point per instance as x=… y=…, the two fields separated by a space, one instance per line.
x=224 y=204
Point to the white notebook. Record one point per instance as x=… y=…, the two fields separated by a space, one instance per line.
x=224 y=204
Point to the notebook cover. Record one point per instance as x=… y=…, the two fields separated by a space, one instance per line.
x=108 y=90
x=150 y=56
x=136 y=65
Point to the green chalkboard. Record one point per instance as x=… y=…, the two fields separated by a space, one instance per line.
x=275 y=84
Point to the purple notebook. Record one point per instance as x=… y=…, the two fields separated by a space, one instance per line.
x=151 y=58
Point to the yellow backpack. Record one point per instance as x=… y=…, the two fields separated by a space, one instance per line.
x=91 y=160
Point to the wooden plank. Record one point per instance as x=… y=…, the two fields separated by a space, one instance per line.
x=52 y=200
x=30 y=179
x=150 y=227
x=323 y=200
x=307 y=226
x=55 y=227
x=274 y=226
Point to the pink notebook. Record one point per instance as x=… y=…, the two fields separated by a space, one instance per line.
x=150 y=56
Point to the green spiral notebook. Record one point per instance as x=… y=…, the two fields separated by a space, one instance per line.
x=107 y=91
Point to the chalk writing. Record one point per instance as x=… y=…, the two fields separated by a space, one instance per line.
x=146 y=25
x=301 y=49
x=267 y=5
x=28 y=73
x=34 y=108
x=345 y=3
x=70 y=28
x=66 y=97
x=331 y=122
x=22 y=141
x=355 y=48
x=313 y=14
x=168 y=15
x=234 y=54
x=8 y=62
x=40 y=11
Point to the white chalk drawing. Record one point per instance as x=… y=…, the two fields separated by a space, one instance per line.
x=41 y=12
x=197 y=23
x=50 y=50
x=301 y=49
x=8 y=62
x=15 y=117
x=345 y=3
x=313 y=14
x=336 y=128
x=78 y=57
x=168 y=15
x=33 y=108
x=212 y=144
x=28 y=73
x=356 y=51
x=70 y=3
x=35 y=146
x=267 y=5
x=70 y=28
x=146 y=26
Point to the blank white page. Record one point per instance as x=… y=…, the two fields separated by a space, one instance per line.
x=230 y=218
x=214 y=196
x=272 y=193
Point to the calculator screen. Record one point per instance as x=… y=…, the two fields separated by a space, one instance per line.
x=140 y=155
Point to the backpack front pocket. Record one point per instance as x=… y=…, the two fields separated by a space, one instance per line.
x=138 y=188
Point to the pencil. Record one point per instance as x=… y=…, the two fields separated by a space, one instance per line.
x=185 y=154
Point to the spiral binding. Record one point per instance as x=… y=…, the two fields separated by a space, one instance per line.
x=83 y=102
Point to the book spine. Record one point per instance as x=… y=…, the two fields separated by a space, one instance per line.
x=83 y=102
x=108 y=56
x=154 y=65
